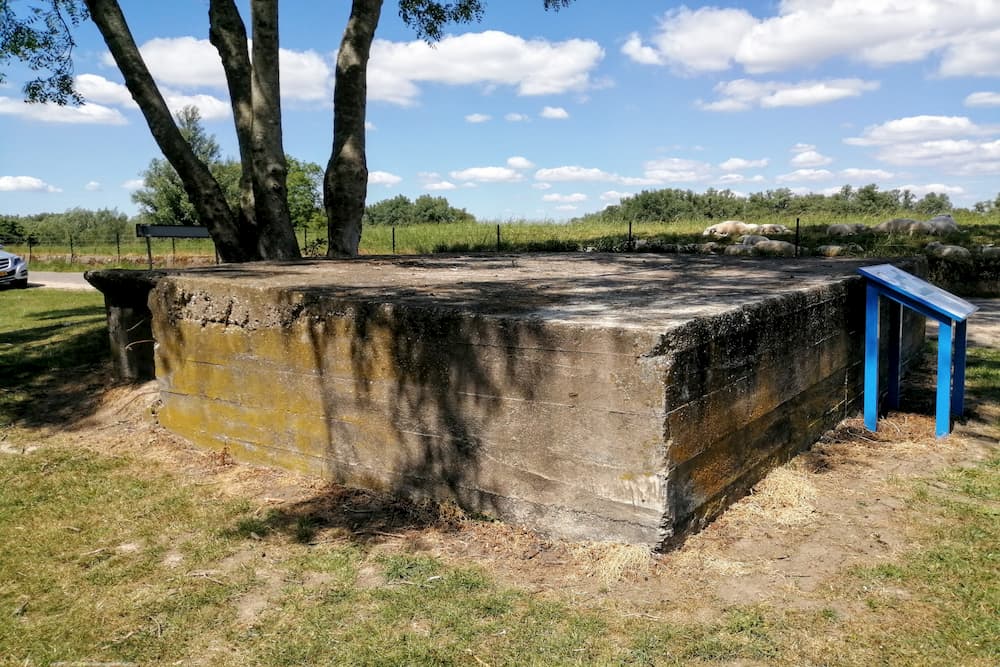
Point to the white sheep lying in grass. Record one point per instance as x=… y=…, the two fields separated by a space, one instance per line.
x=739 y=250
x=954 y=252
x=943 y=224
x=730 y=227
x=774 y=249
x=846 y=229
x=773 y=229
x=894 y=226
x=752 y=239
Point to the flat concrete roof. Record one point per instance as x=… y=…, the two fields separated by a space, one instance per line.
x=636 y=291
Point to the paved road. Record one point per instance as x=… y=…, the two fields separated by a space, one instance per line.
x=58 y=280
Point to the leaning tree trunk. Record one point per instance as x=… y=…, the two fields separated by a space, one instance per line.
x=201 y=187
x=276 y=238
x=345 y=184
x=228 y=34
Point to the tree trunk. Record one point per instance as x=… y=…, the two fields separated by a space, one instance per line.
x=201 y=187
x=228 y=34
x=276 y=238
x=345 y=184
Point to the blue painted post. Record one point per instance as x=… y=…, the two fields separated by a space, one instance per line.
x=871 y=357
x=958 y=392
x=943 y=418
x=895 y=338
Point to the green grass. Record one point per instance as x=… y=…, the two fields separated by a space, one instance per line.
x=515 y=236
x=49 y=340
x=107 y=558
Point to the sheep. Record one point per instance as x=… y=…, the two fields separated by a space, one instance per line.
x=752 y=239
x=739 y=250
x=953 y=252
x=773 y=229
x=840 y=230
x=918 y=227
x=943 y=224
x=991 y=251
x=729 y=227
x=838 y=250
x=894 y=226
x=775 y=248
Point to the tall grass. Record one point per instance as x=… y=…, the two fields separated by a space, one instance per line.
x=515 y=236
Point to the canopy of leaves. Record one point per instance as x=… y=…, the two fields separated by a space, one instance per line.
x=428 y=17
x=75 y=223
x=40 y=36
x=674 y=204
x=426 y=209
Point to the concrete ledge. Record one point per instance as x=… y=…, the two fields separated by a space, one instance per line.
x=591 y=396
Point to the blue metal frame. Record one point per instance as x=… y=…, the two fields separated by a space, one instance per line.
x=903 y=289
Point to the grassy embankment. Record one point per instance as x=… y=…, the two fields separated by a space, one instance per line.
x=107 y=558
x=516 y=236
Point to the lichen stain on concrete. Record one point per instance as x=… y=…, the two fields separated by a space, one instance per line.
x=604 y=397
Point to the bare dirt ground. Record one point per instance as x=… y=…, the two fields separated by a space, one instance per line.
x=842 y=503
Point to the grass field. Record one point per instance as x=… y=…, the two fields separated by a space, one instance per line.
x=112 y=556
x=515 y=236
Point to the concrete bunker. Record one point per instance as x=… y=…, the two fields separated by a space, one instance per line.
x=614 y=397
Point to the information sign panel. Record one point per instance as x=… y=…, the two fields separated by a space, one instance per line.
x=945 y=303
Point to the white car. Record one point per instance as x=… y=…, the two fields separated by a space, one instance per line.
x=13 y=269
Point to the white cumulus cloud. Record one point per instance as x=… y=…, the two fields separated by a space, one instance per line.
x=487 y=175
x=916 y=128
x=383 y=178
x=739 y=164
x=516 y=117
x=25 y=184
x=518 y=162
x=133 y=184
x=614 y=195
x=811 y=159
x=477 y=118
x=805 y=175
x=963 y=35
x=856 y=175
x=438 y=186
x=554 y=113
x=86 y=114
x=565 y=199
x=983 y=99
x=746 y=94
x=490 y=58
x=92 y=186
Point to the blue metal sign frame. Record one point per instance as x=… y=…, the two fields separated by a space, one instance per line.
x=904 y=289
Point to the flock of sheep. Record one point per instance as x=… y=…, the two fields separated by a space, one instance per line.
x=753 y=240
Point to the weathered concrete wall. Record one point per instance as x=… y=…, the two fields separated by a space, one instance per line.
x=629 y=401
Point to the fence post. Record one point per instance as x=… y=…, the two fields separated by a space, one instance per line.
x=498 y=237
x=631 y=245
x=796 y=237
x=394 y=239
x=118 y=245
x=30 y=245
x=149 y=252
x=72 y=250
x=173 y=251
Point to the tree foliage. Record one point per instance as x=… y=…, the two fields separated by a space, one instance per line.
x=41 y=38
x=399 y=211
x=674 y=204
x=259 y=224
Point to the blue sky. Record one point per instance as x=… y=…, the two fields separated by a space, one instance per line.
x=544 y=115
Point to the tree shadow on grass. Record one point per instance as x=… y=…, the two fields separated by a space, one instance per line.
x=53 y=373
